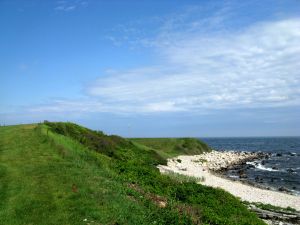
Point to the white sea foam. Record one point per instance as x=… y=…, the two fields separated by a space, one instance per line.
x=251 y=163
x=261 y=167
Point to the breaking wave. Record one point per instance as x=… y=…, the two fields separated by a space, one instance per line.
x=261 y=167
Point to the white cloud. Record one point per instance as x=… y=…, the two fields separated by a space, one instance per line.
x=254 y=67
x=203 y=67
x=82 y=105
x=69 y=5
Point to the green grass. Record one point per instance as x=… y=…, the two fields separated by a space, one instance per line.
x=184 y=178
x=270 y=207
x=171 y=147
x=58 y=182
x=59 y=173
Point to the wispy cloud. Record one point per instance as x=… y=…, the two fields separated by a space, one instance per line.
x=69 y=5
x=204 y=66
x=253 y=67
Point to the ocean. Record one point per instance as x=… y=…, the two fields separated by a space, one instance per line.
x=281 y=171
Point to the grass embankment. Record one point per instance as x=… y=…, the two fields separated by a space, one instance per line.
x=61 y=173
x=171 y=147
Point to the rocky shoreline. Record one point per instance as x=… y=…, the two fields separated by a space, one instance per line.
x=210 y=167
x=218 y=161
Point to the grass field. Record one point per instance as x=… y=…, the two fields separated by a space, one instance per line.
x=171 y=147
x=62 y=173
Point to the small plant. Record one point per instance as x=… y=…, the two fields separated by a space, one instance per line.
x=202 y=179
x=183 y=178
x=201 y=161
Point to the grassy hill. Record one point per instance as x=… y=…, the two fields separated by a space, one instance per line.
x=171 y=147
x=62 y=173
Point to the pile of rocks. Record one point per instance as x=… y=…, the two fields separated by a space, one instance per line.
x=222 y=160
x=276 y=217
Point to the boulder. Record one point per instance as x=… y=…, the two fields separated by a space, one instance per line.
x=290 y=170
x=283 y=189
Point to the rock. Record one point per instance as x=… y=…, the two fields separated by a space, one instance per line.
x=279 y=154
x=243 y=176
x=250 y=166
x=274 y=168
x=277 y=217
x=220 y=161
x=283 y=189
x=258 y=179
x=162 y=204
x=290 y=170
x=241 y=172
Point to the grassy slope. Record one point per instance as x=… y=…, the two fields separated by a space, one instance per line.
x=45 y=182
x=170 y=147
x=55 y=179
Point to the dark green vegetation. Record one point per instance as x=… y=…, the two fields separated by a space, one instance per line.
x=171 y=147
x=62 y=173
x=270 y=207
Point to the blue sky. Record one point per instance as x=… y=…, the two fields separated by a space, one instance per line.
x=153 y=68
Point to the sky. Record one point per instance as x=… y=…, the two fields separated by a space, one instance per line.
x=140 y=68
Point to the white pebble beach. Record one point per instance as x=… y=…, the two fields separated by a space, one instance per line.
x=199 y=166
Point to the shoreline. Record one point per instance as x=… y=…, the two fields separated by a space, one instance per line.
x=207 y=165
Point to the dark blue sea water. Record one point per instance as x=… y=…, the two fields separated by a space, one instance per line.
x=281 y=170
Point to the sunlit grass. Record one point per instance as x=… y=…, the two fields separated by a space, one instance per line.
x=67 y=178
